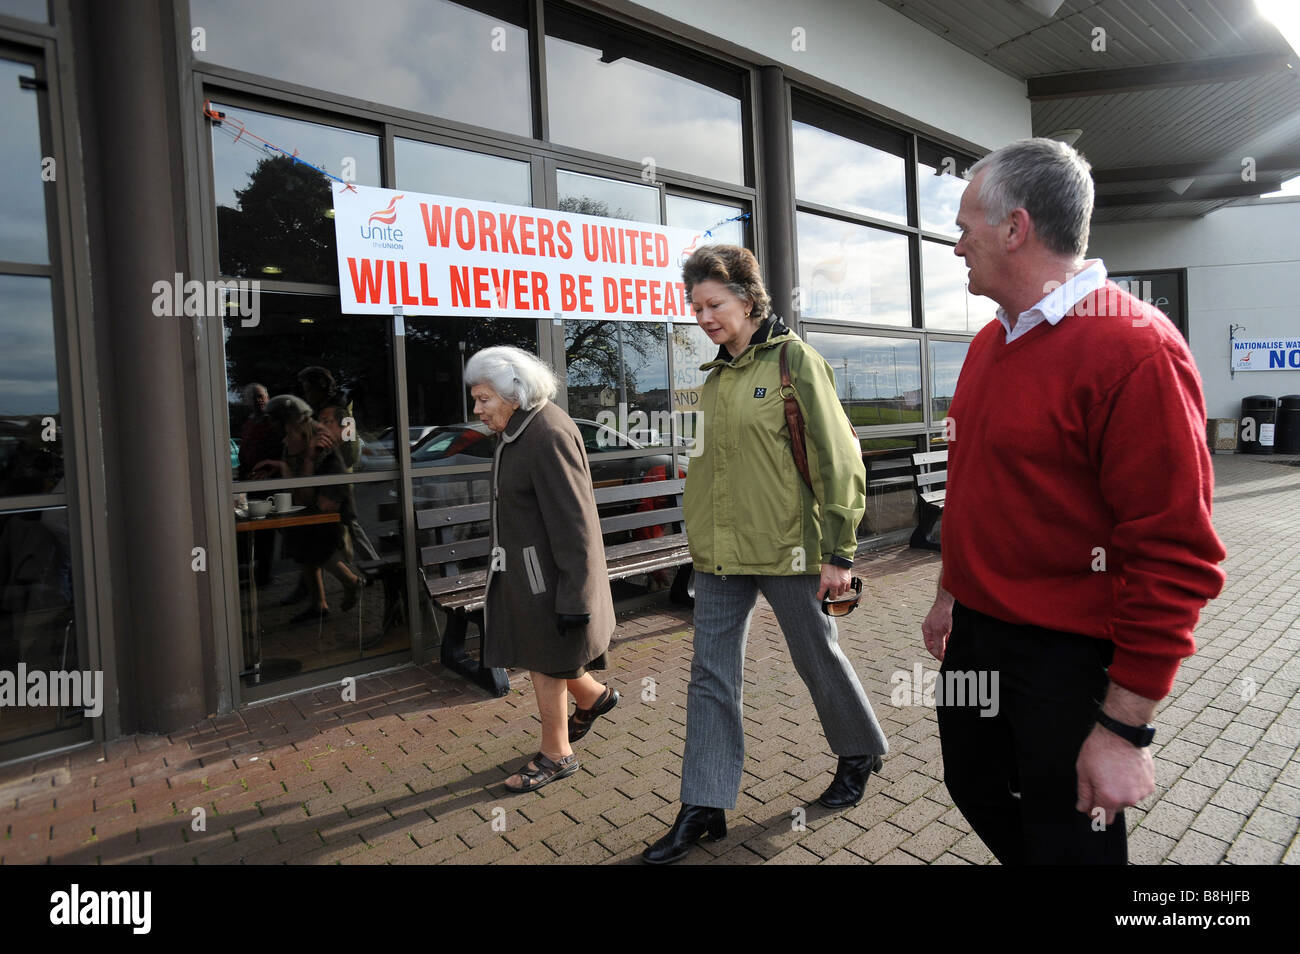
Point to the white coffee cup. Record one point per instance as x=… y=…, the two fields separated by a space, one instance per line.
x=281 y=502
x=259 y=508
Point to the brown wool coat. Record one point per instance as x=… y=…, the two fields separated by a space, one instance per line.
x=544 y=520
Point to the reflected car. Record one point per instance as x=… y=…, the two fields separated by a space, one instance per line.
x=469 y=443
x=381 y=453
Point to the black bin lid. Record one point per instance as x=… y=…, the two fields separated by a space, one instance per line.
x=1290 y=401
x=1259 y=401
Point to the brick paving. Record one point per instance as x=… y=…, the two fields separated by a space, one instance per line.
x=411 y=772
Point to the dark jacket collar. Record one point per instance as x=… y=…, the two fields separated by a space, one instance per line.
x=772 y=327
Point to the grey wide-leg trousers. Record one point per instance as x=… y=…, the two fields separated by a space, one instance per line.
x=715 y=735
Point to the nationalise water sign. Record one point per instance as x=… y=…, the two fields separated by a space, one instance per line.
x=415 y=254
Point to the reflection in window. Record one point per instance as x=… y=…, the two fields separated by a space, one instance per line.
x=441 y=170
x=705 y=216
x=604 y=96
x=275 y=216
x=946 y=359
x=22 y=202
x=436 y=352
x=948 y=304
x=851 y=272
x=322 y=583
x=31 y=439
x=302 y=346
x=432 y=57
x=691 y=348
x=25 y=9
x=608 y=198
x=37 y=620
x=845 y=174
x=891 y=491
x=878 y=379
x=939 y=185
x=619 y=368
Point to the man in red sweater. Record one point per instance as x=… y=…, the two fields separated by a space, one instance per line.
x=1077 y=544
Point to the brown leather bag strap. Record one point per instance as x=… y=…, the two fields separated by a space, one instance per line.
x=794 y=420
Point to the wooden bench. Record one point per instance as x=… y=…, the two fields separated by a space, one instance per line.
x=931 y=475
x=462 y=593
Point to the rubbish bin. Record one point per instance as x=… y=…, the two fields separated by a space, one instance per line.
x=1258 y=415
x=1287 y=434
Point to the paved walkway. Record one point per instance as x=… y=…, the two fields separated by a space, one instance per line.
x=411 y=772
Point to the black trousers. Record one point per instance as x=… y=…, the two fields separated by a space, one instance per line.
x=1012 y=773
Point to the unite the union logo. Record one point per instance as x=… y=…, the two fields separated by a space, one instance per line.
x=380 y=228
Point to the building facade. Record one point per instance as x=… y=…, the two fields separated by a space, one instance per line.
x=167 y=264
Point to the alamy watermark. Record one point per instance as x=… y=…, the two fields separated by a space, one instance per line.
x=176 y=297
x=953 y=687
x=66 y=689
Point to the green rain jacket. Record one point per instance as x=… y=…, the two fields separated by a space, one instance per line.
x=747 y=510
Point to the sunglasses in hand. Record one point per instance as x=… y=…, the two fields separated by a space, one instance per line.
x=846 y=604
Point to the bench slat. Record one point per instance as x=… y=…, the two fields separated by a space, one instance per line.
x=639 y=491
x=930 y=457
x=935 y=498
x=451 y=552
x=452 y=516
x=933 y=477
x=644 y=518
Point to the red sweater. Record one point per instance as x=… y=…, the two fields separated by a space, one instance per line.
x=1079 y=443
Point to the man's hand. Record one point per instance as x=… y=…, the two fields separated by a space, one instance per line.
x=1113 y=773
x=834 y=582
x=937 y=624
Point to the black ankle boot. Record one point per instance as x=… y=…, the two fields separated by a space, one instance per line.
x=850 y=780
x=692 y=822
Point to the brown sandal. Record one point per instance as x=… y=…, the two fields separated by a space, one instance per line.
x=544 y=772
x=581 y=721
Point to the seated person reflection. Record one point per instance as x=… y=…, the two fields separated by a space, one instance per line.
x=310 y=450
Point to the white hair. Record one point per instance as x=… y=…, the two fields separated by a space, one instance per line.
x=514 y=374
x=1050 y=181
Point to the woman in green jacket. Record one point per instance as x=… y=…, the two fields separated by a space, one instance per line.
x=754 y=526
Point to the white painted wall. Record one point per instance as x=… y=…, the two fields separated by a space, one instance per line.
x=865 y=47
x=1243 y=267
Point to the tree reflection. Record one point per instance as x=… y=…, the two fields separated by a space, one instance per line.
x=281 y=223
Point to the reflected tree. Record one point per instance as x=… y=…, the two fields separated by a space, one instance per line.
x=280 y=223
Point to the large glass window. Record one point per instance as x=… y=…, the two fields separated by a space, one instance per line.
x=850 y=272
x=946 y=359
x=436 y=352
x=22 y=209
x=610 y=92
x=321 y=577
x=303 y=348
x=442 y=170
x=25 y=9
x=607 y=198
x=432 y=56
x=949 y=305
x=31 y=436
x=275 y=214
x=939 y=185
x=866 y=175
x=38 y=596
x=878 y=379
x=704 y=216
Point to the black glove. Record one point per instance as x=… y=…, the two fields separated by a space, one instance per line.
x=567 y=621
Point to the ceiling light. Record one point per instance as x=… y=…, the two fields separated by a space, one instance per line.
x=1285 y=15
x=271 y=270
x=1067 y=136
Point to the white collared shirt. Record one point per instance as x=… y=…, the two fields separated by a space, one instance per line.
x=1057 y=303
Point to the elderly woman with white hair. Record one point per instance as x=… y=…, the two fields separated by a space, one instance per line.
x=549 y=608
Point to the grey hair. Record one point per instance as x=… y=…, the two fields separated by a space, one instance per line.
x=514 y=374
x=251 y=389
x=287 y=408
x=1050 y=181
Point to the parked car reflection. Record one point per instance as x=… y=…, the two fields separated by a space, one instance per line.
x=381 y=453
